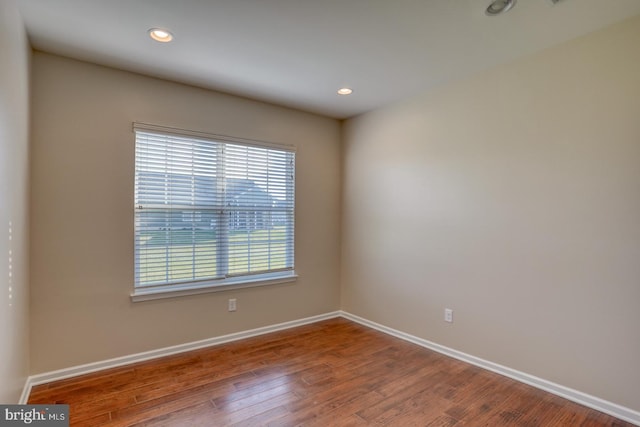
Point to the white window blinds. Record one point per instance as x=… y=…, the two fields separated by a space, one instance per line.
x=207 y=209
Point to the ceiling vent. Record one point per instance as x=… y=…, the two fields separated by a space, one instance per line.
x=499 y=6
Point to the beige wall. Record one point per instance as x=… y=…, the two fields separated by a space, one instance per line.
x=514 y=199
x=14 y=197
x=82 y=223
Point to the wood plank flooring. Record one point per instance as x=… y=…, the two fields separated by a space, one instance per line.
x=330 y=373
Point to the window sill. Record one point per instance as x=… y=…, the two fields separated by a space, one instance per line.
x=147 y=294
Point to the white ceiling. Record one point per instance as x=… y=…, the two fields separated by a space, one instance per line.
x=297 y=53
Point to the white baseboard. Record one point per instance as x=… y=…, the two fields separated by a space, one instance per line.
x=587 y=400
x=167 y=351
x=26 y=391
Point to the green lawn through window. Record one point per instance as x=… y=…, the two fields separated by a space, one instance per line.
x=189 y=255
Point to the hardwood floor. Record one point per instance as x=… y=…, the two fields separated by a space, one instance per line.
x=331 y=373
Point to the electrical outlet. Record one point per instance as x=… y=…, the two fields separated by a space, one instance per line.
x=448 y=315
x=232 y=304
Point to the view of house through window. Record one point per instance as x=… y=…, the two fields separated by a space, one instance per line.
x=209 y=209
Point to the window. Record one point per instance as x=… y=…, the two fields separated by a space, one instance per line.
x=210 y=211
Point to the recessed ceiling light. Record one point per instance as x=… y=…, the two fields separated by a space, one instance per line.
x=345 y=91
x=499 y=6
x=160 y=35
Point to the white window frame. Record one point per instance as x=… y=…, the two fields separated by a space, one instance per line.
x=169 y=290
